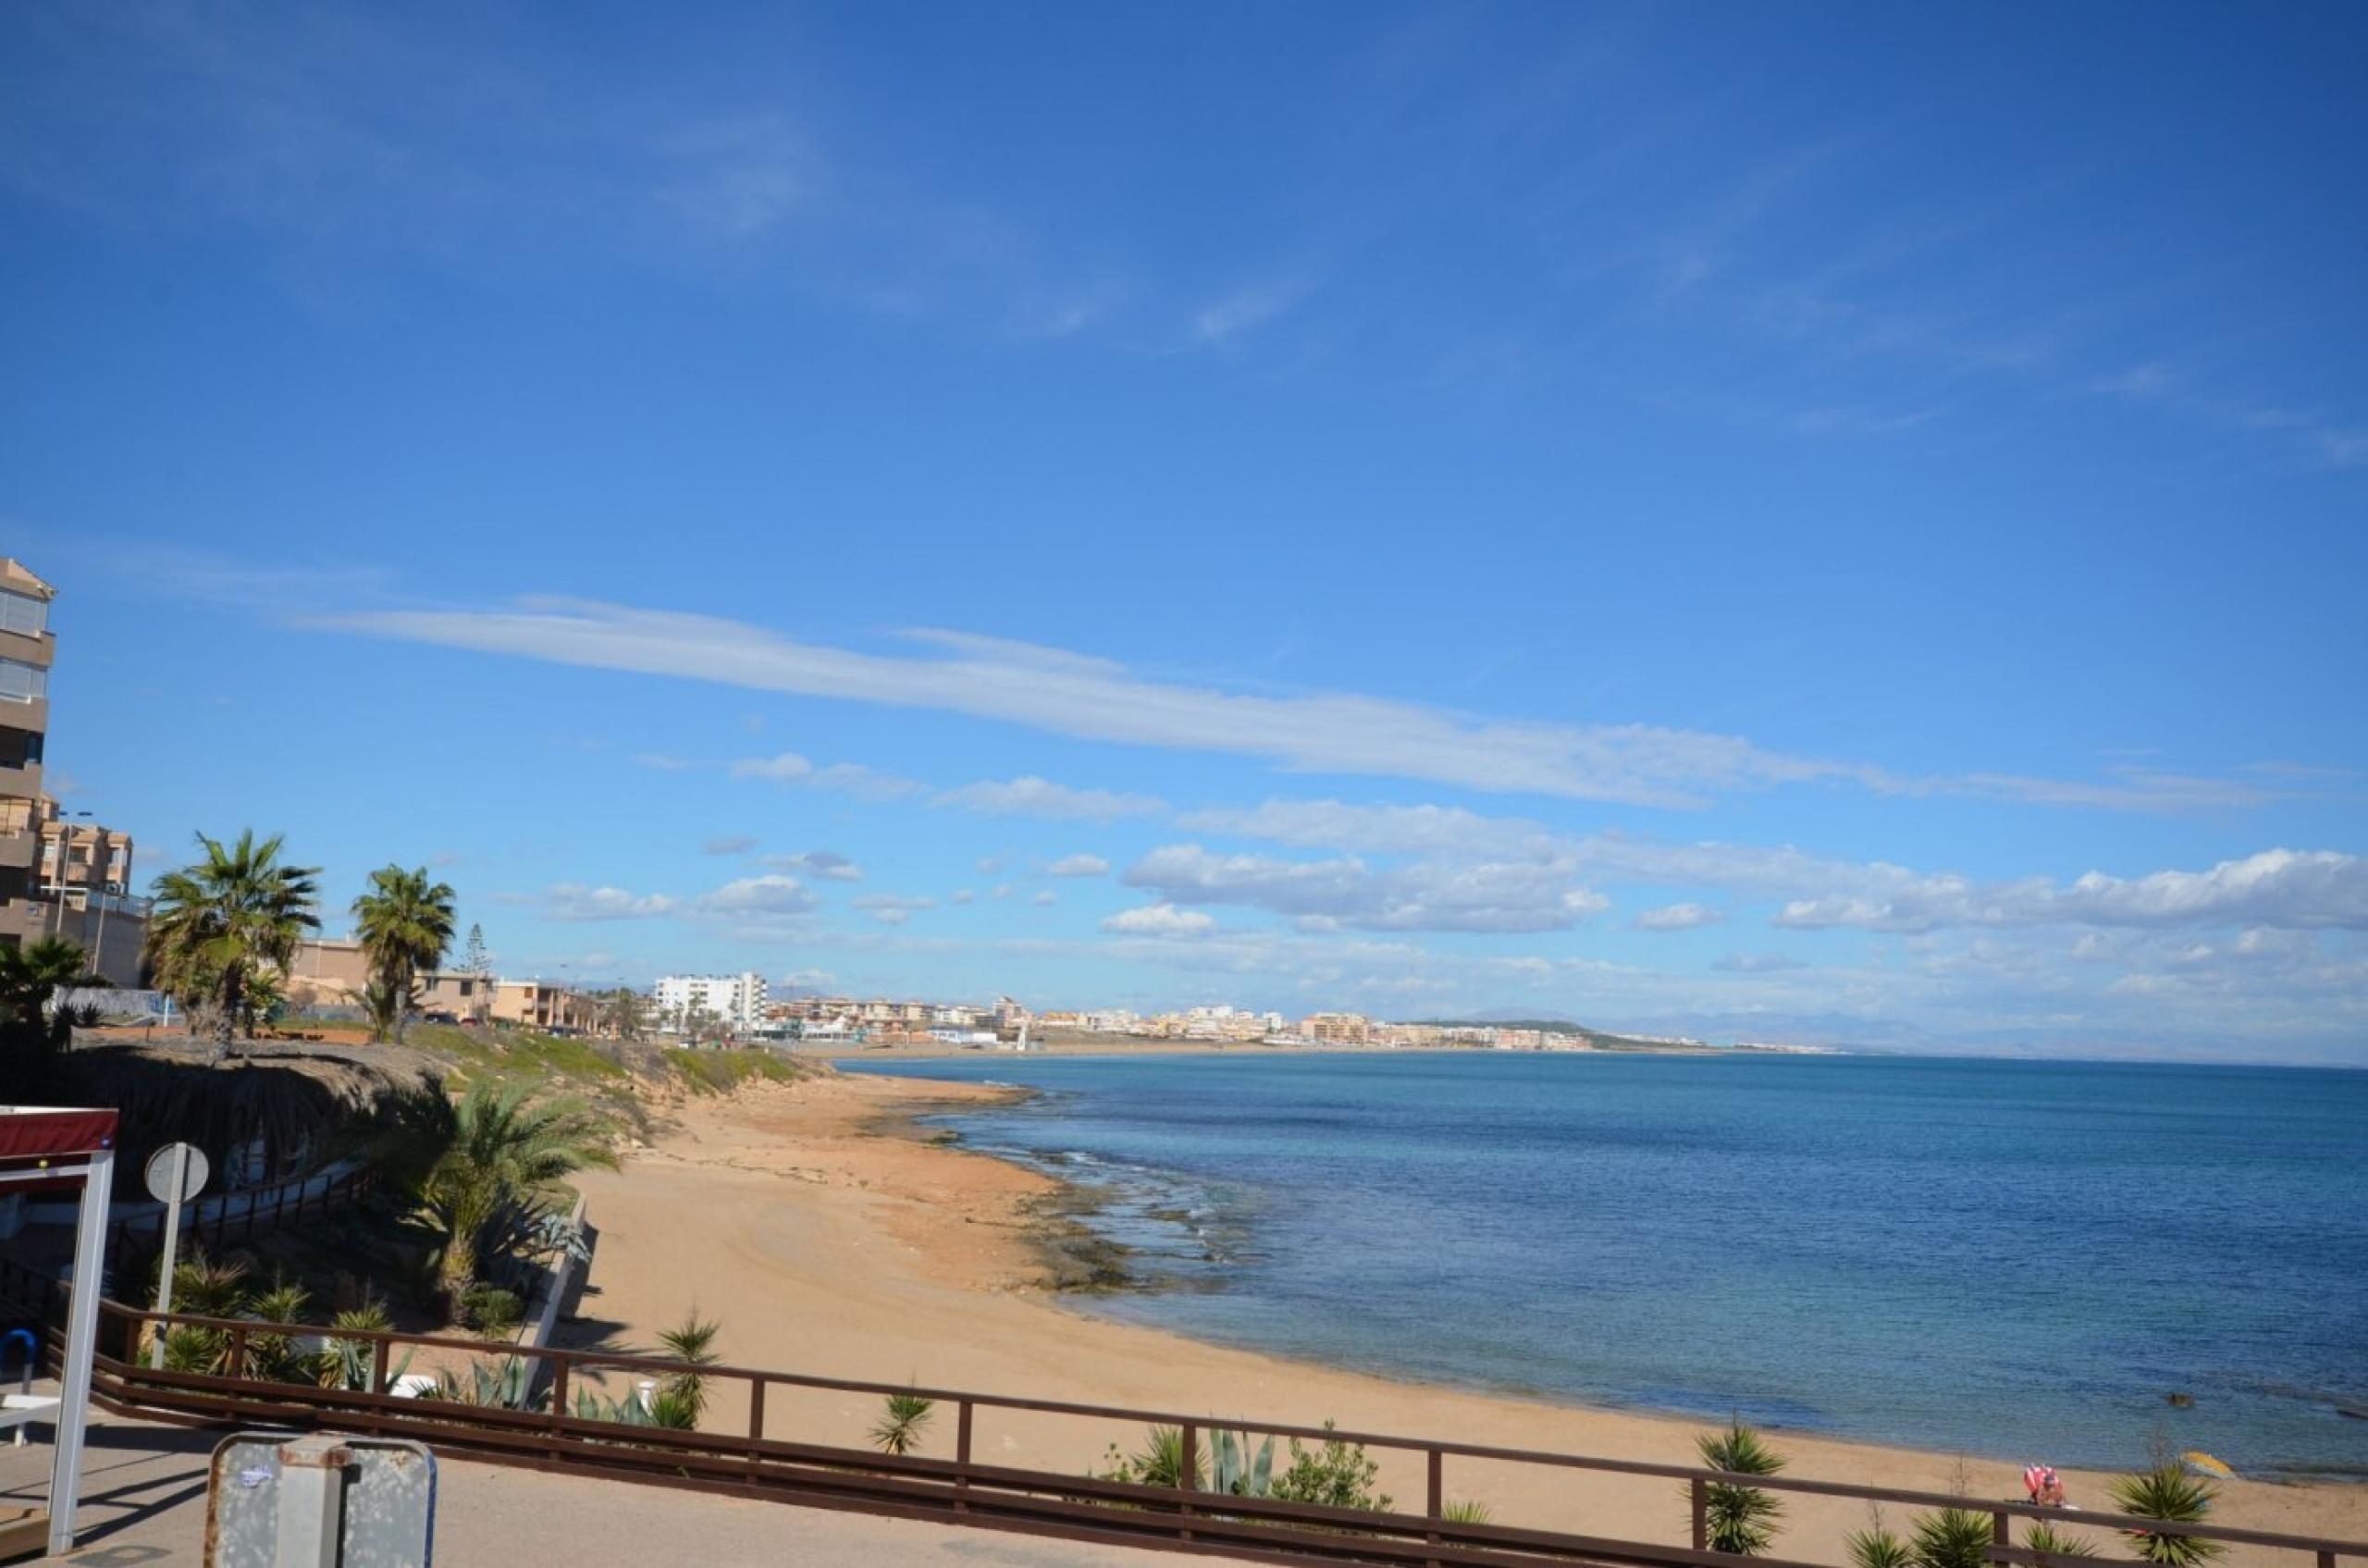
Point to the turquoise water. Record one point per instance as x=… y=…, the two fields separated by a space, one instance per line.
x=2005 y=1259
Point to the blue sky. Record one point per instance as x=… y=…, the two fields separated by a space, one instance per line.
x=1817 y=524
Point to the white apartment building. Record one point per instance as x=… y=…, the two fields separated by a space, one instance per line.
x=737 y=999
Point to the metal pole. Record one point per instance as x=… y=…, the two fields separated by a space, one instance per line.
x=81 y=1335
x=172 y=1245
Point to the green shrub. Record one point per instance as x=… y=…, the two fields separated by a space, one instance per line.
x=1466 y=1511
x=493 y=1311
x=1742 y=1520
x=1338 y=1475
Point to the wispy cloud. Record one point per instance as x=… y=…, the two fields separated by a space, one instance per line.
x=737 y=844
x=1228 y=318
x=1068 y=694
x=1078 y=866
x=893 y=909
x=823 y=864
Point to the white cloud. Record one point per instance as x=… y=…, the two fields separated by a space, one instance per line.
x=893 y=909
x=769 y=895
x=824 y=865
x=989 y=865
x=787 y=767
x=960 y=895
x=1323 y=895
x=575 y=901
x=1755 y=963
x=663 y=761
x=1159 y=919
x=849 y=778
x=810 y=980
x=1002 y=890
x=2283 y=888
x=1078 y=866
x=1677 y=917
x=1046 y=897
x=1032 y=797
x=737 y=844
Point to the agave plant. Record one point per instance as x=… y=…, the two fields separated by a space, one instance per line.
x=2170 y=1494
x=902 y=1419
x=347 y=1363
x=1466 y=1511
x=1241 y=1472
x=1742 y=1520
x=506 y=1385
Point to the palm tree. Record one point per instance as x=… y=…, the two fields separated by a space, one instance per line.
x=31 y=975
x=504 y=1152
x=406 y=924
x=216 y=921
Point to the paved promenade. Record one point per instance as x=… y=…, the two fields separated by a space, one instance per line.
x=145 y=1504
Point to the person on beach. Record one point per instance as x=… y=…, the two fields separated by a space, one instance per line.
x=2045 y=1487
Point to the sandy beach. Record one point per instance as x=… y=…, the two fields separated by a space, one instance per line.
x=832 y=1236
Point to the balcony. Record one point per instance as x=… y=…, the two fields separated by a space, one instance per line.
x=20 y=848
x=38 y=652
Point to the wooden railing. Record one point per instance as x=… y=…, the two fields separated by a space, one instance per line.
x=758 y=1461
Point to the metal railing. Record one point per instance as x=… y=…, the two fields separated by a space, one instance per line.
x=758 y=1460
x=239 y=1215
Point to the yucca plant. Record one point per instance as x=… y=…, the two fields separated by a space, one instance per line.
x=2168 y=1493
x=902 y=1420
x=1742 y=1520
x=273 y=1357
x=1876 y=1546
x=2048 y=1541
x=1466 y=1511
x=692 y=1342
x=1954 y=1538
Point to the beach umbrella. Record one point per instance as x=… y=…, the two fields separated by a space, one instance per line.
x=2202 y=1463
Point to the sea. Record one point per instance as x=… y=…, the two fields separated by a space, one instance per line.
x=2011 y=1259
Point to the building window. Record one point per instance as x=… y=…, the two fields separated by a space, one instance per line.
x=21 y=682
x=22 y=615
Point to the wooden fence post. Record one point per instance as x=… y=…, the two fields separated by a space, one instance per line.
x=1701 y=1493
x=1188 y=1474
x=962 y=1455
x=1434 y=1467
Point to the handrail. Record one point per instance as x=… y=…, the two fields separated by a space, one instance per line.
x=967 y=1401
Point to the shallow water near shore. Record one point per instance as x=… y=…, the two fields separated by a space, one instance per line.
x=2008 y=1258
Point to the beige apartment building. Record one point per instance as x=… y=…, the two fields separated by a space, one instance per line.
x=59 y=876
x=333 y=972
x=1337 y=1028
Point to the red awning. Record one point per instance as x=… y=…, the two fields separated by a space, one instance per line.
x=35 y=1135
